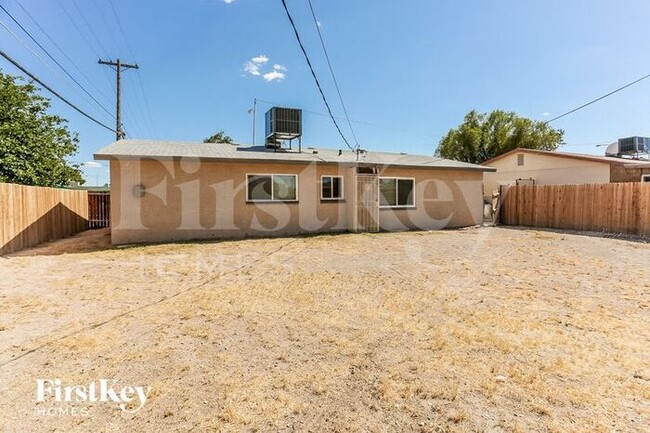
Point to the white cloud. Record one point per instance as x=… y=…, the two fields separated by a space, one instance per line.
x=252 y=68
x=256 y=66
x=546 y=114
x=318 y=23
x=272 y=76
x=228 y=1
x=260 y=60
x=92 y=164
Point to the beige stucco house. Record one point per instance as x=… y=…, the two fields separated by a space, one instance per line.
x=162 y=191
x=538 y=167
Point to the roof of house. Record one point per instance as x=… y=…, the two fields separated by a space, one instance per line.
x=129 y=149
x=626 y=162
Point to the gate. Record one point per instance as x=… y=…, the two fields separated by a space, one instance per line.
x=367 y=203
x=99 y=209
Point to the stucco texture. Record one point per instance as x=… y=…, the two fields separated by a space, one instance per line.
x=545 y=170
x=183 y=199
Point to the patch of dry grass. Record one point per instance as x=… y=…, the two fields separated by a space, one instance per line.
x=478 y=330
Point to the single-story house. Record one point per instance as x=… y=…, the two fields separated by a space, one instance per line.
x=162 y=191
x=539 y=167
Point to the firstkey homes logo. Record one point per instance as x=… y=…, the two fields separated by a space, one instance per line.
x=129 y=399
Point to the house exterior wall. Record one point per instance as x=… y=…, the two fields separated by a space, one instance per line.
x=443 y=199
x=158 y=201
x=546 y=170
x=619 y=173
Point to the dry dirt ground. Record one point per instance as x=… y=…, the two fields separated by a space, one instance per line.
x=489 y=329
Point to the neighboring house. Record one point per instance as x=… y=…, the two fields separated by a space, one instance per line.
x=165 y=191
x=539 y=167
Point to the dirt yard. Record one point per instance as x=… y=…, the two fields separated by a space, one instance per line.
x=488 y=329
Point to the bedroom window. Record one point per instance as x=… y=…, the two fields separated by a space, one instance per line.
x=271 y=187
x=396 y=192
x=331 y=187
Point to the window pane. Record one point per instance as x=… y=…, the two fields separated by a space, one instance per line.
x=405 y=192
x=388 y=193
x=284 y=187
x=336 y=187
x=327 y=187
x=259 y=187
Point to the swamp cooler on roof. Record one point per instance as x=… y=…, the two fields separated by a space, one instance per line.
x=282 y=124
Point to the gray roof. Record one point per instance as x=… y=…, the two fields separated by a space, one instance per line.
x=129 y=149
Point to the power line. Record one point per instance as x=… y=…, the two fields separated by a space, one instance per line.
x=329 y=64
x=139 y=75
x=119 y=25
x=16 y=37
x=60 y=49
x=54 y=60
x=92 y=32
x=74 y=24
x=313 y=73
x=33 y=77
x=598 y=99
x=359 y=122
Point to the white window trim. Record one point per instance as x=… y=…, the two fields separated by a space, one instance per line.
x=272 y=200
x=397 y=206
x=340 y=185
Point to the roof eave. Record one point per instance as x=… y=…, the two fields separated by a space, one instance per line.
x=118 y=157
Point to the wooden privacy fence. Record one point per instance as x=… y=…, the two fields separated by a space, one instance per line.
x=99 y=209
x=614 y=208
x=30 y=215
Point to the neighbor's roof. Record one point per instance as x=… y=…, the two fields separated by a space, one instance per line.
x=626 y=162
x=129 y=149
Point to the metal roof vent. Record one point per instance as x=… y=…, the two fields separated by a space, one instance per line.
x=282 y=124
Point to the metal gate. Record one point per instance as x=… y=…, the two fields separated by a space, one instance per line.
x=99 y=209
x=367 y=203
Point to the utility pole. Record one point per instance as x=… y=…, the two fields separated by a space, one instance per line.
x=253 y=111
x=119 y=133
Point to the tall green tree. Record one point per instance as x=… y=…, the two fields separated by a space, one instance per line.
x=483 y=136
x=33 y=143
x=219 y=137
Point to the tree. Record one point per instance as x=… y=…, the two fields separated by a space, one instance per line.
x=219 y=137
x=33 y=143
x=483 y=136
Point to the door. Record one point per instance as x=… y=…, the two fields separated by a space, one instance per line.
x=367 y=203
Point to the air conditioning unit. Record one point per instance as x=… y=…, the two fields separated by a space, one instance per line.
x=282 y=124
x=633 y=145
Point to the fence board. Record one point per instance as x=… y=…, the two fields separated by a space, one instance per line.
x=616 y=208
x=30 y=215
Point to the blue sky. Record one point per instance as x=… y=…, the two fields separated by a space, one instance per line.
x=408 y=70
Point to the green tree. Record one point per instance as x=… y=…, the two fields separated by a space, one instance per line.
x=219 y=137
x=33 y=144
x=483 y=136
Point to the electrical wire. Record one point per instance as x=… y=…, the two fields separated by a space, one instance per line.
x=60 y=49
x=138 y=73
x=329 y=64
x=359 y=122
x=92 y=32
x=74 y=24
x=16 y=37
x=313 y=73
x=35 y=78
x=56 y=61
x=597 y=99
